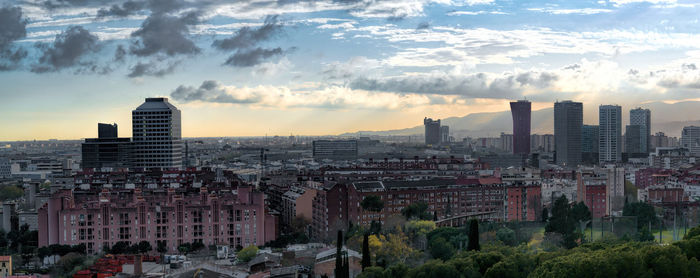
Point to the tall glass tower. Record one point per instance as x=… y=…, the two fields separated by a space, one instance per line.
x=521 y=111
x=568 y=122
x=157 y=135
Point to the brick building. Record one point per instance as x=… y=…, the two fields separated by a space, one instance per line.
x=523 y=202
x=210 y=215
x=337 y=205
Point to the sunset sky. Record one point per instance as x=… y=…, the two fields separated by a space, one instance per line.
x=246 y=68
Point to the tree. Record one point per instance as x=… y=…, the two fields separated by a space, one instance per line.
x=144 y=247
x=372 y=203
x=417 y=210
x=366 y=259
x=248 y=253
x=645 y=213
x=545 y=214
x=562 y=222
x=473 y=243
x=162 y=247
x=434 y=268
x=11 y=192
x=507 y=236
x=441 y=249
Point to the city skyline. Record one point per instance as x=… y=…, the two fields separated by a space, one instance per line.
x=329 y=67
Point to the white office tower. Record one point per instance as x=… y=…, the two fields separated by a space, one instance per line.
x=610 y=134
x=157 y=135
x=690 y=139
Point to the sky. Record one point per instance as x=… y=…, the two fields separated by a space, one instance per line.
x=263 y=67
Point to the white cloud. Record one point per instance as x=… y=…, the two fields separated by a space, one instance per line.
x=583 y=11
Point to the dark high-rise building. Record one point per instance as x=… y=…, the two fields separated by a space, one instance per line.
x=589 y=144
x=568 y=123
x=106 y=151
x=432 y=131
x=335 y=149
x=521 y=111
x=633 y=141
x=106 y=130
x=610 y=133
x=642 y=118
x=157 y=135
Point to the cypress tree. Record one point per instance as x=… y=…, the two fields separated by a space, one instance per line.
x=339 y=255
x=473 y=243
x=366 y=260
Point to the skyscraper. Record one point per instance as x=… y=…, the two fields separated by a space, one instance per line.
x=690 y=139
x=642 y=118
x=107 y=150
x=610 y=133
x=445 y=134
x=633 y=141
x=521 y=126
x=157 y=135
x=589 y=144
x=432 y=131
x=568 y=122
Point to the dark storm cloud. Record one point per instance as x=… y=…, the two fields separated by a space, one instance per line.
x=246 y=41
x=249 y=37
x=12 y=28
x=167 y=34
x=209 y=91
x=156 y=69
x=120 y=54
x=125 y=9
x=67 y=50
x=252 y=57
x=477 y=85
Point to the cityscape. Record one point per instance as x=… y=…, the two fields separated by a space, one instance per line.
x=271 y=172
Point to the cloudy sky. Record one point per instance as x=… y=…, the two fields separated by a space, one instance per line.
x=244 y=68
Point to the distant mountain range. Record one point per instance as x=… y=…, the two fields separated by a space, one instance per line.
x=665 y=117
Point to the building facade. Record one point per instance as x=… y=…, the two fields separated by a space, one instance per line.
x=642 y=117
x=157 y=135
x=335 y=149
x=610 y=134
x=172 y=216
x=107 y=150
x=432 y=131
x=568 y=122
x=521 y=112
x=690 y=139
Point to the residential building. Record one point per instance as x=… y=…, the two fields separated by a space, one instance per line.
x=568 y=123
x=5 y=266
x=174 y=215
x=523 y=202
x=690 y=139
x=506 y=142
x=445 y=134
x=521 y=111
x=610 y=134
x=432 y=131
x=325 y=262
x=297 y=203
x=335 y=149
x=157 y=135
